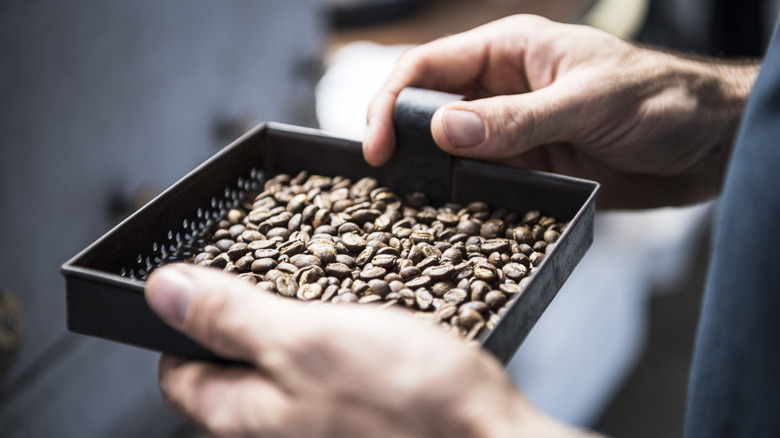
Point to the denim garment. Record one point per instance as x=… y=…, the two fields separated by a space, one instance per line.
x=734 y=388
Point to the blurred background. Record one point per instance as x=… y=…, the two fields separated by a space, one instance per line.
x=105 y=104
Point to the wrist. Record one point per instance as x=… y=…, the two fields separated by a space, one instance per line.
x=502 y=411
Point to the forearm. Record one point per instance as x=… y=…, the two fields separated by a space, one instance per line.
x=697 y=114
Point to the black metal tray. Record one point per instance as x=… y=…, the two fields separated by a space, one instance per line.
x=105 y=282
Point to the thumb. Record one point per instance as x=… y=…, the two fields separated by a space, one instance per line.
x=502 y=126
x=220 y=312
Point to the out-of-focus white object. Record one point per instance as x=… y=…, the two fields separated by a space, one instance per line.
x=354 y=74
x=593 y=333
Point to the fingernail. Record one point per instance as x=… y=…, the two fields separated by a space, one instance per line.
x=464 y=128
x=168 y=293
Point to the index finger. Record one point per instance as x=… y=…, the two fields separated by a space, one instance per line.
x=449 y=64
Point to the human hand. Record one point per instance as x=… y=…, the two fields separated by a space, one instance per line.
x=328 y=370
x=653 y=128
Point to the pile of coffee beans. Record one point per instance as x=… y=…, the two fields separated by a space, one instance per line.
x=331 y=239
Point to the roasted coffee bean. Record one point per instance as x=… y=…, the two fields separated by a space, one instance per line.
x=479 y=289
x=378 y=287
x=370 y=298
x=495 y=299
x=423 y=298
x=212 y=249
x=410 y=272
x=389 y=251
x=551 y=236
x=235 y=216
x=291 y=248
x=329 y=292
x=365 y=256
x=386 y=261
x=536 y=258
x=440 y=288
x=202 y=257
x=540 y=246
x=309 y=274
x=236 y=230
x=333 y=239
x=372 y=272
x=346 y=260
x=430 y=250
x=221 y=234
x=305 y=260
x=442 y=272
x=477 y=306
x=244 y=263
x=453 y=255
x=251 y=236
x=510 y=288
x=494 y=245
x=365 y=215
x=428 y=262
x=346 y=297
x=263 y=265
x=420 y=281
x=468 y=318
x=220 y=261
x=531 y=217
x=338 y=270
x=225 y=244
x=515 y=271
x=525 y=249
x=298 y=203
x=280 y=232
x=486 y=272
x=455 y=296
x=248 y=276
x=354 y=242
x=287 y=286
x=421 y=236
x=287 y=268
x=492 y=229
x=309 y=291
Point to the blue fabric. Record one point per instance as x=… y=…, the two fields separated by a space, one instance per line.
x=735 y=376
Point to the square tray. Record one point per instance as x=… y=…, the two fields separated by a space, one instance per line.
x=105 y=282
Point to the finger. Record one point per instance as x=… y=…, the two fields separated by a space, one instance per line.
x=227 y=401
x=230 y=317
x=453 y=64
x=504 y=126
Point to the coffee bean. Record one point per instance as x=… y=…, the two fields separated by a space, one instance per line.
x=442 y=272
x=202 y=257
x=287 y=286
x=515 y=271
x=263 y=265
x=309 y=291
x=332 y=239
x=219 y=261
x=305 y=260
x=291 y=248
x=495 y=299
x=417 y=282
x=536 y=258
x=373 y=272
x=423 y=298
x=378 y=287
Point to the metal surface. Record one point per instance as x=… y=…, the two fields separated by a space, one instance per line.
x=105 y=281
